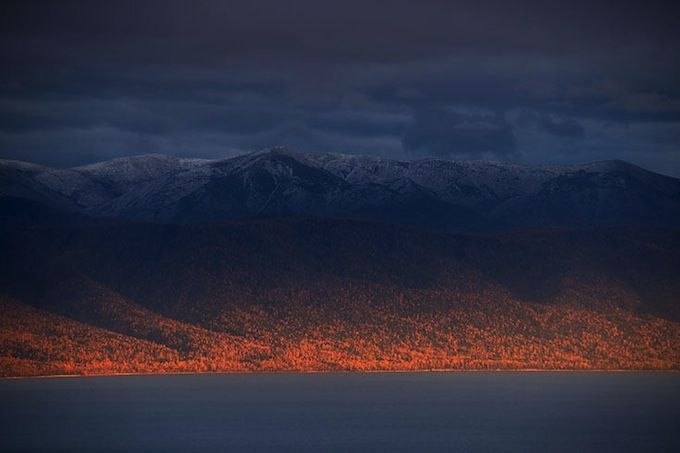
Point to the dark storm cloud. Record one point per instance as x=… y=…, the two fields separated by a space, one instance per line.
x=451 y=134
x=206 y=31
x=559 y=127
x=82 y=80
x=360 y=123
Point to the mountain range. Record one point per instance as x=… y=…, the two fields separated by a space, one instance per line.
x=438 y=194
x=278 y=260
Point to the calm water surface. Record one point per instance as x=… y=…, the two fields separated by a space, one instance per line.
x=541 y=412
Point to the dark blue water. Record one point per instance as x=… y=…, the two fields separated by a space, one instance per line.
x=541 y=412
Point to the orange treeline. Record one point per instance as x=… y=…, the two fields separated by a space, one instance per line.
x=346 y=333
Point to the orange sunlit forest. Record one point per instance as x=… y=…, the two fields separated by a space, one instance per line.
x=216 y=319
x=35 y=342
x=349 y=296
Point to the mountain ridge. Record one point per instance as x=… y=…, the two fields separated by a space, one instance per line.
x=447 y=195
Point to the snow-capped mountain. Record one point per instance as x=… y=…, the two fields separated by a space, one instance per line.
x=435 y=193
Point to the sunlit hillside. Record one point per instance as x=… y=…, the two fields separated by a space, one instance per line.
x=300 y=294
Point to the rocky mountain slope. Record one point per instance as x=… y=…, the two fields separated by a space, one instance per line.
x=445 y=195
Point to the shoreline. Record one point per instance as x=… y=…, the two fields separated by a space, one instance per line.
x=348 y=372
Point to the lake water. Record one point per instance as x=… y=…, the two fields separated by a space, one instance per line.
x=541 y=412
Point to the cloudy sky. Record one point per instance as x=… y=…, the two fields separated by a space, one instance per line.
x=537 y=82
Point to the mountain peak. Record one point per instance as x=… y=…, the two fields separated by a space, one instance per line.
x=277 y=151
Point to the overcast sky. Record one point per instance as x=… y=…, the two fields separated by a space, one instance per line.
x=528 y=81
